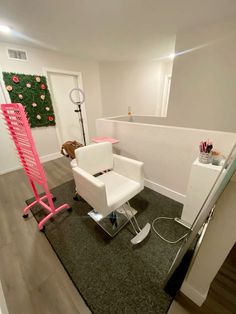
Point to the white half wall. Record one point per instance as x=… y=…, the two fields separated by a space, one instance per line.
x=45 y=137
x=167 y=152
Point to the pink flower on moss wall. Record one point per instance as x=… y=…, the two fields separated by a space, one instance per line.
x=15 y=79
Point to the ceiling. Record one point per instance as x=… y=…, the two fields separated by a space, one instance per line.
x=108 y=29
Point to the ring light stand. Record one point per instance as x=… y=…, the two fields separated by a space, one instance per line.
x=79 y=103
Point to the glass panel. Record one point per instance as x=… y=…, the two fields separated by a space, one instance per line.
x=228 y=170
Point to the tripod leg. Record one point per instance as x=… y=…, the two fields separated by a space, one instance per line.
x=82 y=124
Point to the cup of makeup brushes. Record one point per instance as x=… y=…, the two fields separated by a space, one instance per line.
x=205 y=155
x=205 y=158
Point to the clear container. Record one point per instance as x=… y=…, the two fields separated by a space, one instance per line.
x=216 y=159
x=205 y=158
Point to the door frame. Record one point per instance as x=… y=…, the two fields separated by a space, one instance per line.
x=3 y=89
x=47 y=71
x=166 y=95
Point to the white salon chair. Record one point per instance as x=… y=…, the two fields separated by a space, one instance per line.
x=117 y=180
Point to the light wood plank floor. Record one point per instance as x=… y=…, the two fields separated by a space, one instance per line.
x=221 y=298
x=33 y=279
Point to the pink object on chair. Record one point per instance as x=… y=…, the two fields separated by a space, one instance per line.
x=105 y=139
x=20 y=132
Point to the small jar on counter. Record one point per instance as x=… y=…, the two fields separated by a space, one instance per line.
x=216 y=158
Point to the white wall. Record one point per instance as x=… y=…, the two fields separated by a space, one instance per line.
x=203 y=93
x=219 y=239
x=167 y=152
x=45 y=137
x=135 y=84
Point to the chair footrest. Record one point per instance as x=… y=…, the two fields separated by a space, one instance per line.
x=142 y=234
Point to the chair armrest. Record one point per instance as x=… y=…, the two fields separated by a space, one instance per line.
x=129 y=168
x=90 y=188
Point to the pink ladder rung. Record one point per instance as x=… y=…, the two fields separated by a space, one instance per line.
x=20 y=132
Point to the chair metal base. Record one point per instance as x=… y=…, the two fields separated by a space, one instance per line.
x=122 y=215
x=106 y=224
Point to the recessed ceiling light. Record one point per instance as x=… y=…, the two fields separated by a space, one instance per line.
x=5 y=29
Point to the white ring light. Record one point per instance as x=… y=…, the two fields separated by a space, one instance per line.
x=81 y=92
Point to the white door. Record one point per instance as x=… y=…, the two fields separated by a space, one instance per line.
x=67 y=120
x=8 y=156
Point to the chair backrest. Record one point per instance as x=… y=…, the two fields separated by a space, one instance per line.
x=95 y=158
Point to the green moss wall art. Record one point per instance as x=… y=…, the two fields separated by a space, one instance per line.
x=32 y=92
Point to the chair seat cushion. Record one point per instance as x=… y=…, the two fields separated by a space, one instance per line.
x=119 y=189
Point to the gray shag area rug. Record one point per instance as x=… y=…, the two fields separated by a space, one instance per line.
x=112 y=275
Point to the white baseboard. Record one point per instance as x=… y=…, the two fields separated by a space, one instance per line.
x=42 y=159
x=10 y=169
x=193 y=294
x=50 y=157
x=165 y=191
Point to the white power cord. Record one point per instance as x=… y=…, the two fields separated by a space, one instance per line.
x=168 y=241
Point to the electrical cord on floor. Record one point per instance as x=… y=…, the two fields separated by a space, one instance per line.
x=168 y=241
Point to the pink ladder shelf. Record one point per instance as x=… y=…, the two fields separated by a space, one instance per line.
x=20 y=132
